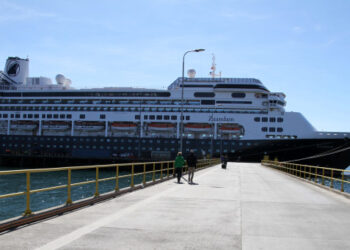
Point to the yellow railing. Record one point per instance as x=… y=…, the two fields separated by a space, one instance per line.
x=313 y=173
x=159 y=171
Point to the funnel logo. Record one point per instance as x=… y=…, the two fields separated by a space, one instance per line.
x=12 y=69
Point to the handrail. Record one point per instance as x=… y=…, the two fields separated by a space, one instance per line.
x=311 y=173
x=163 y=170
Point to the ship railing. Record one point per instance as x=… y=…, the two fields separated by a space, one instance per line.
x=138 y=175
x=333 y=178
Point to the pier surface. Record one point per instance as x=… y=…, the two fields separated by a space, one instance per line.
x=246 y=206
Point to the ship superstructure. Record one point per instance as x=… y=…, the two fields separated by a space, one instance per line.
x=220 y=116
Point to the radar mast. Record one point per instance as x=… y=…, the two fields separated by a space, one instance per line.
x=213 y=68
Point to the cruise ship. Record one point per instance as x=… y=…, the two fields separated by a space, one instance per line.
x=236 y=117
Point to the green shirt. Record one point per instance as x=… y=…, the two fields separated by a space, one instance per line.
x=179 y=161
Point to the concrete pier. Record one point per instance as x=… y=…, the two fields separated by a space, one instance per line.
x=246 y=206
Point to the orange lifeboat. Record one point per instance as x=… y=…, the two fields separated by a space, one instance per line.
x=55 y=125
x=231 y=129
x=197 y=127
x=89 y=126
x=123 y=126
x=161 y=126
x=24 y=125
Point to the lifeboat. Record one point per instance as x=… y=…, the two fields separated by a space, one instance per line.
x=197 y=127
x=24 y=125
x=231 y=129
x=125 y=126
x=55 y=125
x=161 y=127
x=89 y=126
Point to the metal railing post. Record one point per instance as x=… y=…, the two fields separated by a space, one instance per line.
x=342 y=182
x=167 y=170
x=315 y=175
x=27 y=211
x=96 y=189
x=69 y=199
x=322 y=176
x=154 y=172
x=144 y=174
x=132 y=176
x=116 y=178
x=309 y=173
x=332 y=185
x=161 y=170
x=304 y=170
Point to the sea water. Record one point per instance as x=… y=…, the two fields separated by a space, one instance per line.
x=15 y=206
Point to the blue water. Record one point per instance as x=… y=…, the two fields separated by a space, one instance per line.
x=15 y=206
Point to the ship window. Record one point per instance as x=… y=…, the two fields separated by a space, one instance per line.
x=12 y=116
x=145 y=117
x=264 y=129
x=137 y=117
x=207 y=102
x=151 y=117
x=55 y=116
x=204 y=94
x=102 y=116
x=30 y=116
x=166 y=117
x=82 y=116
x=18 y=116
x=272 y=129
x=238 y=95
x=187 y=117
x=62 y=116
x=279 y=119
x=49 y=116
x=36 y=116
x=69 y=116
x=272 y=119
x=257 y=119
x=279 y=129
x=173 y=117
x=264 y=119
x=159 y=117
x=5 y=116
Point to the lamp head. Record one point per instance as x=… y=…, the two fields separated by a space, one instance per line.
x=199 y=50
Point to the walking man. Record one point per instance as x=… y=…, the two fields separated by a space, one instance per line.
x=191 y=163
x=179 y=163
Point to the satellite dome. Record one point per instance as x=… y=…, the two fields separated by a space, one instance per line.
x=191 y=73
x=60 y=79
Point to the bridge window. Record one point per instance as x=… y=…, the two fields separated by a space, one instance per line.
x=238 y=95
x=272 y=119
x=279 y=129
x=272 y=129
x=279 y=119
x=264 y=129
x=264 y=119
x=204 y=94
x=257 y=119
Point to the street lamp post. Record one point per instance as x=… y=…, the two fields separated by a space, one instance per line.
x=182 y=95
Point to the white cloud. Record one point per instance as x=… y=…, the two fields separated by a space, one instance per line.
x=15 y=12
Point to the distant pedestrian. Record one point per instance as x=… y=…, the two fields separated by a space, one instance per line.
x=179 y=163
x=192 y=164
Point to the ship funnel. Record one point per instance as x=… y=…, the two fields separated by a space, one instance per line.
x=62 y=80
x=191 y=73
x=17 y=69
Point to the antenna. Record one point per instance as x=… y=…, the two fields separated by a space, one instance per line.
x=213 y=68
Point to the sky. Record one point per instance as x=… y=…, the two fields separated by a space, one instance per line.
x=298 y=47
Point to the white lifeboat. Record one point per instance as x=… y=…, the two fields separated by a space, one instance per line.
x=197 y=127
x=161 y=127
x=89 y=126
x=55 y=125
x=24 y=125
x=125 y=126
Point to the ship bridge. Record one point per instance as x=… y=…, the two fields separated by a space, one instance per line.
x=218 y=83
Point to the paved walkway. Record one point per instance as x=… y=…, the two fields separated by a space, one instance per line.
x=246 y=206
